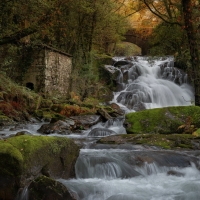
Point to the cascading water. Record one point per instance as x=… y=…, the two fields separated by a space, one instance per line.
x=155 y=84
x=130 y=172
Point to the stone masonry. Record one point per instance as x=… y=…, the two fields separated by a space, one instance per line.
x=49 y=72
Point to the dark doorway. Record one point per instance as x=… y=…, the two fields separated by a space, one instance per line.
x=30 y=85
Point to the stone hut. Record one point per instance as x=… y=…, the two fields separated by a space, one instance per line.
x=49 y=72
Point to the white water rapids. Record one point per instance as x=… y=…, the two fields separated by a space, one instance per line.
x=156 y=185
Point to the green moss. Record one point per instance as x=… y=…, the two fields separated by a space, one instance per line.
x=28 y=145
x=162 y=120
x=197 y=133
x=28 y=150
x=165 y=141
x=45 y=114
x=7 y=148
x=11 y=158
x=169 y=141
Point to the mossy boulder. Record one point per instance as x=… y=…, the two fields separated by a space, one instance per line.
x=163 y=120
x=164 y=141
x=46 y=188
x=23 y=158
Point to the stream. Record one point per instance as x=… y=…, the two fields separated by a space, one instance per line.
x=136 y=172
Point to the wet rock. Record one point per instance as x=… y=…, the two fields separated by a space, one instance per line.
x=112 y=75
x=59 y=127
x=117 y=111
x=175 y=173
x=44 y=188
x=8 y=184
x=168 y=159
x=86 y=120
x=104 y=114
x=120 y=197
x=101 y=132
x=157 y=141
x=125 y=68
x=125 y=77
x=121 y=63
x=22 y=133
x=169 y=72
x=113 y=139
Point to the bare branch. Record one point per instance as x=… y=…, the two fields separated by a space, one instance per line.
x=161 y=17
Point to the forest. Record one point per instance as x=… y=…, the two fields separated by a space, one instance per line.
x=110 y=108
x=89 y=29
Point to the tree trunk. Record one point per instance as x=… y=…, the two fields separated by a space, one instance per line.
x=187 y=11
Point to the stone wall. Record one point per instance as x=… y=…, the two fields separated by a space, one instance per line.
x=50 y=71
x=57 y=72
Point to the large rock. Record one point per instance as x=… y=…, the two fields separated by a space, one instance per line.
x=163 y=120
x=24 y=158
x=85 y=121
x=46 y=188
x=122 y=63
x=59 y=127
x=67 y=125
x=104 y=113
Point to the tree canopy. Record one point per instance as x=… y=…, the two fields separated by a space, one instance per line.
x=84 y=26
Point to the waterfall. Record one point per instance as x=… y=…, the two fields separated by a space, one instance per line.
x=147 y=84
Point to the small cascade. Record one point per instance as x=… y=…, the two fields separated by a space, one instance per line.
x=116 y=163
x=123 y=174
x=102 y=132
x=152 y=84
x=110 y=127
x=24 y=194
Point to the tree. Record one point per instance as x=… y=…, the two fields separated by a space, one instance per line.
x=20 y=18
x=192 y=39
x=79 y=27
x=181 y=13
x=167 y=39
